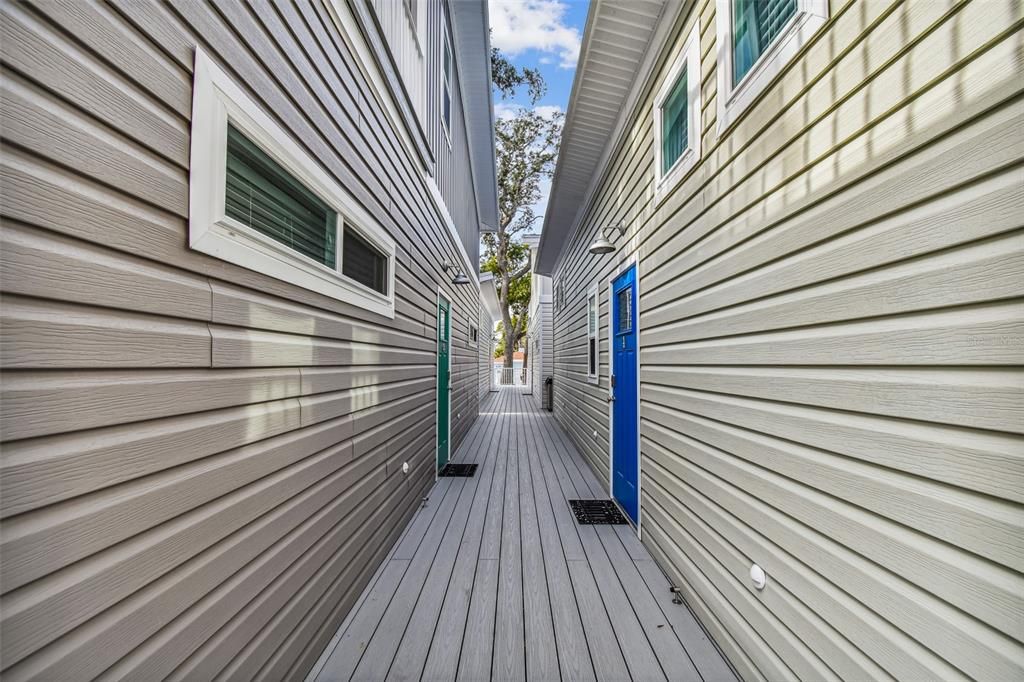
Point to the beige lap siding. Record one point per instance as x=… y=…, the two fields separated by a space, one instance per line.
x=830 y=331
x=201 y=466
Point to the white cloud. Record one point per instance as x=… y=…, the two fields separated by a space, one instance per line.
x=506 y=110
x=548 y=110
x=519 y=25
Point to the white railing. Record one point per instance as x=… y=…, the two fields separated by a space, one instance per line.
x=511 y=376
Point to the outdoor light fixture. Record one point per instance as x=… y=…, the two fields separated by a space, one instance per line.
x=602 y=245
x=460 y=277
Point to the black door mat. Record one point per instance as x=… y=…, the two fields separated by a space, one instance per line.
x=461 y=470
x=597 y=512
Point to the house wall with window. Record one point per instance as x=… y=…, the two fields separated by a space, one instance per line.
x=205 y=411
x=830 y=334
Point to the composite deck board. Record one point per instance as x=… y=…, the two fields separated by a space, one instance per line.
x=494 y=579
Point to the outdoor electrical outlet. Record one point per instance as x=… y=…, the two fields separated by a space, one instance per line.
x=405 y=467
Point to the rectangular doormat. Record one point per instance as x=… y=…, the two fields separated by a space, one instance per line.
x=597 y=512
x=460 y=470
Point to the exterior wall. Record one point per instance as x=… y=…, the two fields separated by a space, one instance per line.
x=540 y=325
x=829 y=349
x=201 y=465
x=541 y=351
x=485 y=353
x=451 y=152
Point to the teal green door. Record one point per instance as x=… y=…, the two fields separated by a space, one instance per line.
x=444 y=380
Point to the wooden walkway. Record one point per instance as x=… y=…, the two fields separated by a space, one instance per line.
x=494 y=579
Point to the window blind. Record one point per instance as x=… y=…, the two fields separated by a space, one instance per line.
x=363 y=263
x=263 y=196
x=755 y=25
x=674 y=124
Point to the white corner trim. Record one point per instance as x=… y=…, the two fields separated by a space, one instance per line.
x=734 y=99
x=689 y=59
x=217 y=99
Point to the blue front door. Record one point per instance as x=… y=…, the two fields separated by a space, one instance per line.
x=625 y=410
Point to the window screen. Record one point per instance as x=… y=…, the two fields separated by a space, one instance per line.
x=674 y=124
x=265 y=197
x=364 y=263
x=755 y=25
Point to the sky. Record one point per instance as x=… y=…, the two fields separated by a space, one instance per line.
x=545 y=35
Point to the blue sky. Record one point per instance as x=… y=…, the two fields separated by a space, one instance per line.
x=540 y=34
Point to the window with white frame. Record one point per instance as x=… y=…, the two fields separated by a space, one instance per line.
x=593 y=359
x=756 y=39
x=446 y=86
x=677 y=116
x=473 y=334
x=258 y=200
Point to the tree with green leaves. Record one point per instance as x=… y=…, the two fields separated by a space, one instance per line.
x=526 y=148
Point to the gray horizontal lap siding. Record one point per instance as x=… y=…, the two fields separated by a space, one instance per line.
x=829 y=332
x=201 y=465
x=451 y=151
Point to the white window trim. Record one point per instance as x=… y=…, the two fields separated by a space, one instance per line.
x=469 y=335
x=688 y=58
x=216 y=100
x=446 y=82
x=592 y=295
x=733 y=100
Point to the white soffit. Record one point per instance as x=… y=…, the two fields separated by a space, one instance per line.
x=470 y=28
x=489 y=295
x=615 y=42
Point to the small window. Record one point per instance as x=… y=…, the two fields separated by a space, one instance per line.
x=755 y=26
x=592 y=345
x=472 y=334
x=674 y=124
x=756 y=40
x=446 y=87
x=265 y=197
x=364 y=263
x=260 y=201
x=677 y=116
x=625 y=310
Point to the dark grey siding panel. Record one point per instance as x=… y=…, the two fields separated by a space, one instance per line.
x=830 y=349
x=182 y=492
x=451 y=151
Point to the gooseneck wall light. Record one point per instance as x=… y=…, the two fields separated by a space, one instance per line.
x=460 y=277
x=602 y=244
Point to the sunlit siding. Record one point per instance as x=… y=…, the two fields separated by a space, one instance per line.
x=831 y=341
x=201 y=465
